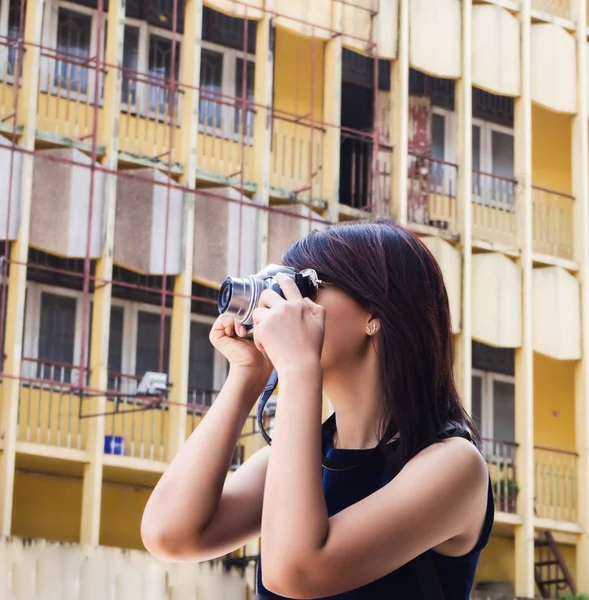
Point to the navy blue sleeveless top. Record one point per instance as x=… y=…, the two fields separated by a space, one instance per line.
x=344 y=488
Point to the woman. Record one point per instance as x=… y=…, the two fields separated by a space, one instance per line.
x=401 y=512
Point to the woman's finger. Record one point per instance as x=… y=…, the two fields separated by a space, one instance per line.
x=289 y=287
x=270 y=299
x=260 y=314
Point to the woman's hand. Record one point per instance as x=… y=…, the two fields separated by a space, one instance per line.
x=290 y=330
x=229 y=338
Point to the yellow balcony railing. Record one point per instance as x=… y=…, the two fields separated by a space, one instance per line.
x=66 y=97
x=553 y=219
x=500 y=457
x=555 y=484
x=431 y=192
x=494 y=208
x=49 y=406
x=296 y=156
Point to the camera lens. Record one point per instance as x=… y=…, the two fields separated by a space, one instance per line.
x=225 y=296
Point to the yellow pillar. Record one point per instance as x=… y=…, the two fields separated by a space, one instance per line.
x=263 y=90
x=108 y=137
x=17 y=279
x=524 y=356
x=580 y=157
x=332 y=104
x=399 y=118
x=180 y=335
x=463 y=95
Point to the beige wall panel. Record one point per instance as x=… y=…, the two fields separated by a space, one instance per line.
x=435 y=37
x=497 y=72
x=53 y=571
x=382 y=29
x=216 y=236
x=317 y=12
x=140 y=224
x=496 y=301
x=450 y=262
x=60 y=203
x=554 y=68
x=557 y=314
x=9 y=161
x=252 y=8
x=284 y=230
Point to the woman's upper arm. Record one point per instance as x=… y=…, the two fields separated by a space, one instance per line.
x=238 y=516
x=440 y=494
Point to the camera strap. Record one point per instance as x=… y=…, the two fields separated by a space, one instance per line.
x=262 y=401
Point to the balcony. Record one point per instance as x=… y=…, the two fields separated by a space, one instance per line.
x=66 y=97
x=431 y=192
x=494 y=218
x=48 y=407
x=553 y=218
x=555 y=488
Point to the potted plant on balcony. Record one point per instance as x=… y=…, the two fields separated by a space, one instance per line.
x=506 y=491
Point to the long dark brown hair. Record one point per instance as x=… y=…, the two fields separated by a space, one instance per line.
x=390 y=272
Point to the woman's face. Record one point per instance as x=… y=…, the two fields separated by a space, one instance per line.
x=345 y=328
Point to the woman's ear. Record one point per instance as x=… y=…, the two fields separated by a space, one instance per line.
x=373 y=326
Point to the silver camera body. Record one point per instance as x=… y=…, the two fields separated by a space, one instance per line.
x=239 y=296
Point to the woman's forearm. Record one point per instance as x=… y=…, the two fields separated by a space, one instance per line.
x=294 y=518
x=185 y=499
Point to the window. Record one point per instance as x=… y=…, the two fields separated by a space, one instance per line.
x=148 y=343
x=74 y=32
x=249 y=95
x=14 y=9
x=493 y=165
x=130 y=64
x=160 y=71
x=211 y=80
x=53 y=332
x=443 y=177
x=493 y=405
x=56 y=337
x=201 y=357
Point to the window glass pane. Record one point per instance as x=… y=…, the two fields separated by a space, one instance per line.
x=148 y=343
x=476 y=147
x=14 y=9
x=115 y=346
x=228 y=31
x=502 y=154
x=131 y=62
x=73 y=40
x=438 y=136
x=502 y=165
x=201 y=357
x=211 y=80
x=504 y=411
x=160 y=71
x=249 y=95
x=56 y=337
x=477 y=402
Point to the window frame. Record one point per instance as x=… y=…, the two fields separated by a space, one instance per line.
x=129 y=338
x=228 y=90
x=449 y=149
x=485 y=170
x=49 y=38
x=488 y=401
x=486 y=150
